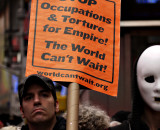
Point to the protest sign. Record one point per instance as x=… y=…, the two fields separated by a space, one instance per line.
x=76 y=41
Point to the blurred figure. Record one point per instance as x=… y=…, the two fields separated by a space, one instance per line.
x=92 y=118
x=1 y=124
x=6 y=120
x=146 y=93
x=11 y=128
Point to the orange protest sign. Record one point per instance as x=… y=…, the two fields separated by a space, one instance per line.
x=76 y=41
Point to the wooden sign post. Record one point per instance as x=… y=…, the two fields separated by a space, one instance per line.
x=72 y=106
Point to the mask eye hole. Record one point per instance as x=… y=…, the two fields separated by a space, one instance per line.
x=149 y=79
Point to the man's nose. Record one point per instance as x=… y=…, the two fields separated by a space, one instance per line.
x=37 y=100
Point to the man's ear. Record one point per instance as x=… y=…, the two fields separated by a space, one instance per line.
x=57 y=106
x=22 y=112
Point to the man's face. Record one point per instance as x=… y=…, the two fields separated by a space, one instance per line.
x=148 y=77
x=38 y=105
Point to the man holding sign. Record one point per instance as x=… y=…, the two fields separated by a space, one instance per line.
x=76 y=41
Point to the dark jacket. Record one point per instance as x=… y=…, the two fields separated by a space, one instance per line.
x=60 y=124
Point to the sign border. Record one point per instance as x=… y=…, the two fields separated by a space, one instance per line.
x=72 y=69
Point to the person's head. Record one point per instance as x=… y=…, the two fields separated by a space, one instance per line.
x=92 y=118
x=145 y=78
x=148 y=77
x=38 y=101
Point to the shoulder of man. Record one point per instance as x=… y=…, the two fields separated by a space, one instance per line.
x=11 y=128
x=60 y=124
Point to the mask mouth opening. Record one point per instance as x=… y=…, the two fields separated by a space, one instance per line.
x=157 y=99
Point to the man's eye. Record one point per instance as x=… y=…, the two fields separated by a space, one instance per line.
x=27 y=98
x=149 y=79
x=45 y=94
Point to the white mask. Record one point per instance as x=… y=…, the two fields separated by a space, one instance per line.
x=148 y=76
